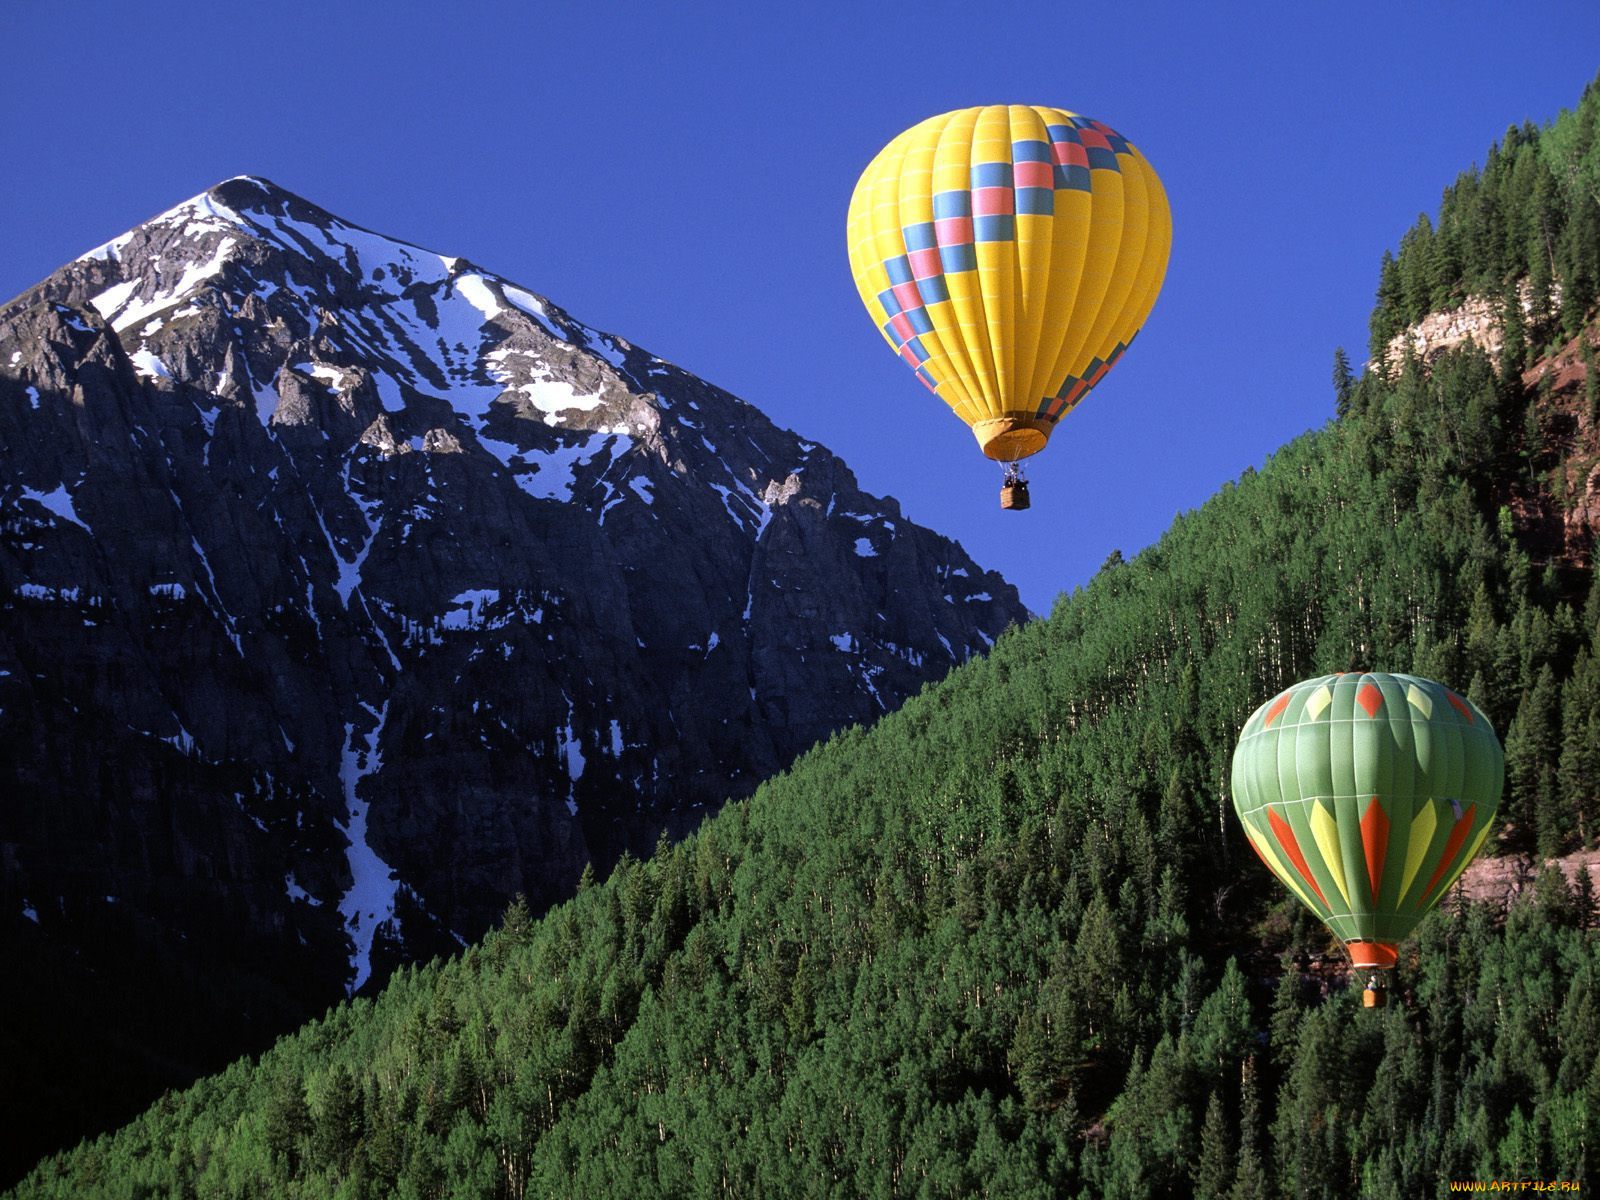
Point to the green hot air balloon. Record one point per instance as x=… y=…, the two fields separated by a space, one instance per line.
x=1368 y=795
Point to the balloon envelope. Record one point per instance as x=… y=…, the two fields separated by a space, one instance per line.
x=1368 y=795
x=1009 y=254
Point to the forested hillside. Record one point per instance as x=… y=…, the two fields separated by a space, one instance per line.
x=1010 y=942
x=1530 y=216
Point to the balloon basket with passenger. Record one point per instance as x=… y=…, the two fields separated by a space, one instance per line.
x=1014 y=488
x=1374 y=962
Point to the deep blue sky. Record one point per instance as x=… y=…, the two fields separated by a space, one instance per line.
x=679 y=173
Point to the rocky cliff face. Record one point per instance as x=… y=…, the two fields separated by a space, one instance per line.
x=1555 y=505
x=1476 y=320
x=1558 y=509
x=347 y=589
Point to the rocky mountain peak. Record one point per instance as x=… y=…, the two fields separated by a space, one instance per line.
x=348 y=589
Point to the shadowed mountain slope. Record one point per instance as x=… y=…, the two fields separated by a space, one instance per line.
x=348 y=590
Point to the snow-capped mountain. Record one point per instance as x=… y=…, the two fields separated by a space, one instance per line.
x=348 y=589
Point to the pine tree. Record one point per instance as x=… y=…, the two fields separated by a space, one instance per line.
x=1343 y=383
x=1388 y=316
x=1314 y=1102
x=516 y=924
x=1415 y=249
x=1287 y=1008
x=339 y=1120
x=1441 y=272
x=1541 y=255
x=1578 y=774
x=1532 y=751
x=1222 y=1032
x=1591 y=384
x=1250 y=1183
x=1514 y=339
x=1168 y=927
x=1533 y=441
x=1214 y=1170
x=1096 y=969
x=288 y=1119
x=1174 y=819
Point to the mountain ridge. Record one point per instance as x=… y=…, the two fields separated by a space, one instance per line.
x=386 y=590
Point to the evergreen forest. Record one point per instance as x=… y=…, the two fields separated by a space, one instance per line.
x=1009 y=942
x=1523 y=233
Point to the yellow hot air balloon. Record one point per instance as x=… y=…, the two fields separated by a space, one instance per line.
x=1009 y=254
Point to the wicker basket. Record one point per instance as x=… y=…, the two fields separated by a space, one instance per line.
x=1014 y=495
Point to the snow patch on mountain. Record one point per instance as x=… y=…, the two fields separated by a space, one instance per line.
x=150 y=366
x=475 y=290
x=466 y=610
x=59 y=503
x=368 y=905
x=552 y=474
x=120 y=306
x=534 y=307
